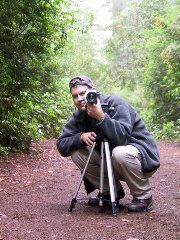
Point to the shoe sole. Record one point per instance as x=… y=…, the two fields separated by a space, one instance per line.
x=142 y=209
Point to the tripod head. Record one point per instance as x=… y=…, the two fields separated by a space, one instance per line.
x=106 y=108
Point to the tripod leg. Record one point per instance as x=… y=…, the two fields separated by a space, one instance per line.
x=111 y=179
x=101 y=195
x=74 y=199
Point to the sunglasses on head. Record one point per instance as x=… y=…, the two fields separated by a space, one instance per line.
x=77 y=81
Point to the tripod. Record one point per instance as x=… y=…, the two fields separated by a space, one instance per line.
x=105 y=155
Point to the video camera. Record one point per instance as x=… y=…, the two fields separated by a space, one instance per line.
x=91 y=96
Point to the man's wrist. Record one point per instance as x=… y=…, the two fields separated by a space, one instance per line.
x=81 y=137
x=101 y=117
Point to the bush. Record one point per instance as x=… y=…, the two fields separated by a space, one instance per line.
x=33 y=98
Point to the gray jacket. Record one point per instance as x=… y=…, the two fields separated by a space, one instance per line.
x=122 y=126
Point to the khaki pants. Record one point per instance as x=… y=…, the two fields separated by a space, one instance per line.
x=126 y=161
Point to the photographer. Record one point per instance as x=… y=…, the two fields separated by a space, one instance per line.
x=134 y=153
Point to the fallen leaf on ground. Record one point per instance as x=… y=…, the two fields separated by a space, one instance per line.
x=125 y=220
x=132 y=239
x=50 y=171
x=3 y=215
x=152 y=211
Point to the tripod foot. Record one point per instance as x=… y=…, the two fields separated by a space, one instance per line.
x=72 y=204
x=115 y=208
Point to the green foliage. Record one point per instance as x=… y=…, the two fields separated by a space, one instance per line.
x=162 y=72
x=144 y=58
x=167 y=131
x=33 y=97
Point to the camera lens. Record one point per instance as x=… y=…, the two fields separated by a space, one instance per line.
x=91 y=97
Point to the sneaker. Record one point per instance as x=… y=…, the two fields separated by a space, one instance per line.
x=140 y=205
x=94 y=201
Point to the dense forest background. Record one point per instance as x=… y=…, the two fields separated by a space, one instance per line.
x=45 y=43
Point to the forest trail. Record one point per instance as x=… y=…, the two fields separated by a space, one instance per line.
x=36 y=190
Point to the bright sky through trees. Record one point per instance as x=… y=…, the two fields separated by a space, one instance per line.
x=101 y=10
x=101 y=31
x=102 y=17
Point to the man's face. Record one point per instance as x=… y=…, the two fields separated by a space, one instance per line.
x=77 y=93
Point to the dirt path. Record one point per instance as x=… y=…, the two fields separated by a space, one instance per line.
x=36 y=190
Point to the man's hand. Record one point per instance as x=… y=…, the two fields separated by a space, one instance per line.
x=95 y=110
x=88 y=138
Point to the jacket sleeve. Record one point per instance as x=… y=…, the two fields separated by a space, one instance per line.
x=119 y=125
x=69 y=140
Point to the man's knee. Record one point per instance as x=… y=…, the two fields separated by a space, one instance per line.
x=125 y=154
x=79 y=157
x=75 y=154
x=119 y=154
